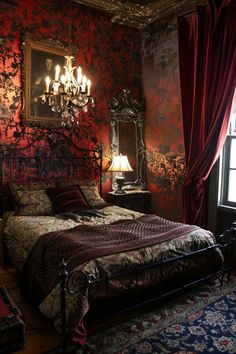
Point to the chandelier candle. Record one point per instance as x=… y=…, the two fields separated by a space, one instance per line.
x=67 y=95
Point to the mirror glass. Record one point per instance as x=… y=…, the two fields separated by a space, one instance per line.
x=127 y=146
x=126 y=122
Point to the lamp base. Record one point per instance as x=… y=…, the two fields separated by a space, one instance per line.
x=120 y=181
x=118 y=191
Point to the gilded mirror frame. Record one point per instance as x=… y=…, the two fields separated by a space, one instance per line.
x=124 y=108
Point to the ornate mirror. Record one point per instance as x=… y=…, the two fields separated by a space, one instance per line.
x=127 y=136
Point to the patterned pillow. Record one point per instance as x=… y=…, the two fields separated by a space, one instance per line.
x=68 y=199
x=34 y=203
x=92 y=196
x=28 y=186
x=88 y=188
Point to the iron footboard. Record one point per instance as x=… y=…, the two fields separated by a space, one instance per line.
x=226 y=243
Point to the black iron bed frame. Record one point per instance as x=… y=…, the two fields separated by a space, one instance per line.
x=226 y=243
x=59 y=153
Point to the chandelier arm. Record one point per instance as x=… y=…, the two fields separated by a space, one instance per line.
x=67 y=95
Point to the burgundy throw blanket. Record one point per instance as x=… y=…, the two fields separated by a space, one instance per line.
x=83 y=243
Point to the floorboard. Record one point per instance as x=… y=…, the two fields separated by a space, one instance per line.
x=40 y=333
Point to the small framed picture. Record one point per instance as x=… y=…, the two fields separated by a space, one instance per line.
x=40 y=60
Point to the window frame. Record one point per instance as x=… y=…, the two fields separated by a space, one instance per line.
x=225 y=172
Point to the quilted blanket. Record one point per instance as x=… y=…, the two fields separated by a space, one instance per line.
x=84 y=242
x=81 y=245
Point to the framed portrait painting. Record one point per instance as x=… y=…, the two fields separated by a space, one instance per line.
x=40 y=60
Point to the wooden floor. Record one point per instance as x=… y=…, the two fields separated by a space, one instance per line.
x=40 y=334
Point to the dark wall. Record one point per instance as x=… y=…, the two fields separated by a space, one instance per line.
x=163 y=120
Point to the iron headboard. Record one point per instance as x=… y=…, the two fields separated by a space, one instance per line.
x=45 y=155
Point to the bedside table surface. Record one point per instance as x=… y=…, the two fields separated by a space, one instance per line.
x=130 y=191
x=135 y=199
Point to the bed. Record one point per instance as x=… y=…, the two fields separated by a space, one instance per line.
x=75 y=252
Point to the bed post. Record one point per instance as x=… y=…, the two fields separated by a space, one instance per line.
x=62 y=276
x=100 y=170
x=1 y=181
x=1 y=209
x=233 y=229
x=227 y=241
x=231 y=249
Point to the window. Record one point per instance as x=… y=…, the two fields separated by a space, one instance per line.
x=227 y=190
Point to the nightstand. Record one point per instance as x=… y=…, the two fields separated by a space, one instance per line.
x=138 y=200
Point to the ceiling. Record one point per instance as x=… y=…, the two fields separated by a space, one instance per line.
x=140 y=13
x=141 y=2
x=135 y=13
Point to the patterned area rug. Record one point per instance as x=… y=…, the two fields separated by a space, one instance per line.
x=200 y=321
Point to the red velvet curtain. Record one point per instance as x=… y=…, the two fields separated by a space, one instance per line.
x=207 y=58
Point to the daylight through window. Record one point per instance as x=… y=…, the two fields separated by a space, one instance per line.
x=227 y=189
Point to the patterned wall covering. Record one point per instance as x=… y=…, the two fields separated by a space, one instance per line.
x=109 y=53
x=163 y=120
x=111 y=56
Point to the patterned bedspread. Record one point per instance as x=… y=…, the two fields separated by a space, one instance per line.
x=85 y=242
x=21 y=232
x=105 y=264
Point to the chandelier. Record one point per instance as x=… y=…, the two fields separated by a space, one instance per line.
x=67 y=94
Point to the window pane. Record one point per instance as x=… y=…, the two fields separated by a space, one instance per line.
x=233 y=154
x=232 y=186
x=232 y=125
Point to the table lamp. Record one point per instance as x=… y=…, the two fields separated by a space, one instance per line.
x=120 y=164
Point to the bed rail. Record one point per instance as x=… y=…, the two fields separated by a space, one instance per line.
x=76 y=280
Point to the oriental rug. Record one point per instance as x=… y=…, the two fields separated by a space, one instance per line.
x=200 y=321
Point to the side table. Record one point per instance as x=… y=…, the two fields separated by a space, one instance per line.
x=138 y=200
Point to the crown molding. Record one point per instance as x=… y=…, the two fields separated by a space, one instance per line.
x=140 y=16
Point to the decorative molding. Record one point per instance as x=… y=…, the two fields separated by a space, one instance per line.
x=133 y=14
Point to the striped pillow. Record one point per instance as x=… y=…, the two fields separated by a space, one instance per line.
x=67 y=199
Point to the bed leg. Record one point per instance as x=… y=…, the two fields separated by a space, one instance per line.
x=228 y=275
x=63 y=275
x=221 y=278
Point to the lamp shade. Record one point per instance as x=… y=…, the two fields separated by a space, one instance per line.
x=120 y=163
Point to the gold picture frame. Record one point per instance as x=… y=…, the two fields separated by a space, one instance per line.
x=40 y=59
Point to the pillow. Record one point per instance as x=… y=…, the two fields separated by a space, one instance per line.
x=92 y=196
x=34 y=203
x=67 y=199
x=88 y=188
x=28 y=186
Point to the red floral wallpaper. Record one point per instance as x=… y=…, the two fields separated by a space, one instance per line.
x=109 y=53
x=163 y=119
x=113 y=59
